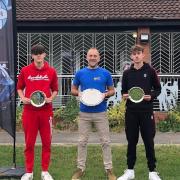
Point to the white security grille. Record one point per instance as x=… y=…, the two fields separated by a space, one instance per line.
x=123 y=44
x=22 y=53
x=81 y=44
x=66 y=52
x=165 y=52
x=176 y=52
x=105 y=44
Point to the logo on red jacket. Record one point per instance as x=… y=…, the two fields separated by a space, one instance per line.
x=38 y=78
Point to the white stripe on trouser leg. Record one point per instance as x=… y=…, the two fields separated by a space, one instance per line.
x=50 y=124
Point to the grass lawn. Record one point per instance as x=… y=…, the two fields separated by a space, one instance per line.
x=64 y=161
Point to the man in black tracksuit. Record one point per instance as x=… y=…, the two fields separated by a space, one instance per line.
x=139 y=116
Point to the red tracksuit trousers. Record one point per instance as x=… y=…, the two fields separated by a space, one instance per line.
x=34 y=121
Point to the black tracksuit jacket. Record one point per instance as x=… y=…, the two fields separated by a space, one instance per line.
x=145 y=78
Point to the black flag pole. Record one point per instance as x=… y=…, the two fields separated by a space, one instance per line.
x=8 y=78
x=15 y=75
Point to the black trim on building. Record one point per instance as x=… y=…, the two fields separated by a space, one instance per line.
x=90 y=25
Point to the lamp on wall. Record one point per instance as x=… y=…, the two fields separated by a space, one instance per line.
x=144 y=37
x=135 y=36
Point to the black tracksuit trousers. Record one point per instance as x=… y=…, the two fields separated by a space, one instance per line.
x=143 y=122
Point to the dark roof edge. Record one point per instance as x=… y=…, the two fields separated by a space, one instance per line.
x=90 y=23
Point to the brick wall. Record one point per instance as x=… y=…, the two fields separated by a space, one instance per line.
x=159 y=116
x=146 y=45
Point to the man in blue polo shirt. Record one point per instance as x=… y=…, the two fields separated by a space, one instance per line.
x=98 y=78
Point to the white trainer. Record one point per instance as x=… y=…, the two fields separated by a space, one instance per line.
x=128 y=175
x=46 y=176
x=27 y=176
x=154 y=176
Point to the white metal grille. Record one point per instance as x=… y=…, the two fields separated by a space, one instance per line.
x=81 y=43
x=22 y=53
x=105 y=44
x=165 y=52
x=123 y=44
x=66 y=52
x=176 y=52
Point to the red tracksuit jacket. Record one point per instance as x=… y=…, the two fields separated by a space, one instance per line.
x=31 y=79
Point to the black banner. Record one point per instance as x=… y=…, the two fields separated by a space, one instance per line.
x=7 y=67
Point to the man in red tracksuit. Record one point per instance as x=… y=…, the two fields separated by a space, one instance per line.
x=37 y=76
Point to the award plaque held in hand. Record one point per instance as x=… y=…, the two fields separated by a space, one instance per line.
x=136 y=94
x=38 y=98
x=91 y=97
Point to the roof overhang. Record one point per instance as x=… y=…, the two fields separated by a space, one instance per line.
x=49 y=25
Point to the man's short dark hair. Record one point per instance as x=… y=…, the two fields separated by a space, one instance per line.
x=137 y=48
x=37 y=49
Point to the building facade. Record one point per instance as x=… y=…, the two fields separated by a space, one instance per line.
x=69 y=30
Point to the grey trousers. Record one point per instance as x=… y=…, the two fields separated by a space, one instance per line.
x=102 y=125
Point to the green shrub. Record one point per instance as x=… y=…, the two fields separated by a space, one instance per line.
x=70 y=112
x=172 y=122
x=164 y=126
x=66 y=117
x=57 y=114
x=116 y=116
x=176 y=127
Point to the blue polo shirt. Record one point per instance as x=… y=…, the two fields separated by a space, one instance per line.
x=98 y=78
